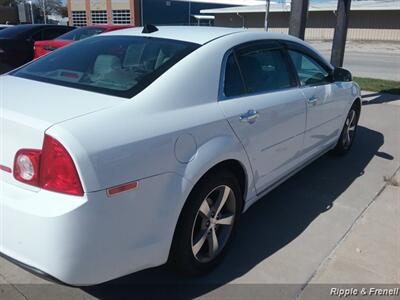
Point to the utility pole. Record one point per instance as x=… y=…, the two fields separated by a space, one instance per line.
x=298 y=18
x=44 y=11
x=339 y=38
x=267 y=3
x=190 y=10
x=32 y=17
x=141 y=13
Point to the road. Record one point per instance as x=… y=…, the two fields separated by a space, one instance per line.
x=284 y=240
x=368 y=59
x=373 y=65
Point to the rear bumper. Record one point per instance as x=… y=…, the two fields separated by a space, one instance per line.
x=31 y=269
x=91 y=239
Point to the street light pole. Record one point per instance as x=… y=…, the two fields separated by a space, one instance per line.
x=267 y=3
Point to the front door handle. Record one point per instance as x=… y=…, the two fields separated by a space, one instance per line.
x=250 y=116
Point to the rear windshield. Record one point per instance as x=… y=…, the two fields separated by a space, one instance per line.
x=116 y=65
x=80 y=33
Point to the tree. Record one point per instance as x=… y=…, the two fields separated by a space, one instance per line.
x=51 y=6
x=10 y=2
x=63 y=11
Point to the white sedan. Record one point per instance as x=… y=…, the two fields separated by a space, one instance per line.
x=144 y=146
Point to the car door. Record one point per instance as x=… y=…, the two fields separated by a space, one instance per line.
x=324 y=106
x=264 y=107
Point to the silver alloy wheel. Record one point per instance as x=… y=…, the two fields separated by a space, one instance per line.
x=213 y=223
x=349 y=129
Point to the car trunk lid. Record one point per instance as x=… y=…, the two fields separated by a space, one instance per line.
x=28 y=108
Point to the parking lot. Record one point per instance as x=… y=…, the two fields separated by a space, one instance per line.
x=292 y=237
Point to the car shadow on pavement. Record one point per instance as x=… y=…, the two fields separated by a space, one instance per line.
x=268 y=226
x=378 y=98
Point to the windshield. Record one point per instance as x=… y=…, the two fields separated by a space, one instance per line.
x=80 y=33
x=14 y=31
x=116 y=65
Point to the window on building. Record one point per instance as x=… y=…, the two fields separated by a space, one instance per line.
x=121 y=16
x=99 y=17
x=79 y=18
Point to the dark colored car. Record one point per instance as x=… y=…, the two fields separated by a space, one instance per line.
x=16 y=43
x=2 y=26
x=44 y=47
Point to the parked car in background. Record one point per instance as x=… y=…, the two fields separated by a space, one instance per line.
x=16 y=43
x=4 y=26
x=44 y=47
x=136 y=148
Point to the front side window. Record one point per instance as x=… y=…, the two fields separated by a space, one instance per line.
x=263 y=70
x=309 y=71
x=116 y=65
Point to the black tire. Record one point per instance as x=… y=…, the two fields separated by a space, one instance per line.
x=343 y=145
x=182 y=258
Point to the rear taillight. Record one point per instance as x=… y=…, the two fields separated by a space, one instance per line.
x=57 y=169
x=51 y=168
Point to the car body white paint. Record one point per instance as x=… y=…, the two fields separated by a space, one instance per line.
x=166 y=138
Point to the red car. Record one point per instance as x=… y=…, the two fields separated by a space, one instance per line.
x=44 y=47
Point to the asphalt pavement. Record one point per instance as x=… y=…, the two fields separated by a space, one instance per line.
x=331 y=223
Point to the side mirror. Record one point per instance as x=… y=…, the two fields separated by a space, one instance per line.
x=340 y=74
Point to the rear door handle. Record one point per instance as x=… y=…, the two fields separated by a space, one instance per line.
x=312 y=99
x=250 y=116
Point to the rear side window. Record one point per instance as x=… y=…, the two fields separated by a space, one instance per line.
x=309 y=71
x=233 y=84
x=116 y=65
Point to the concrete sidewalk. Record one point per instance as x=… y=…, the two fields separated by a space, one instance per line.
x=369 y=255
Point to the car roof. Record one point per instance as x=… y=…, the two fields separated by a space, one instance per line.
x=199 y=34
x=108 y=26
x=193 y=34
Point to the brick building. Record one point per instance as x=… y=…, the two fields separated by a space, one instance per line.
x=92 y=12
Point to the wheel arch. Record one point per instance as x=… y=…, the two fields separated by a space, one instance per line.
x=236 y=166
x=357 y=103
x=218 y=153
x=233 y=165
